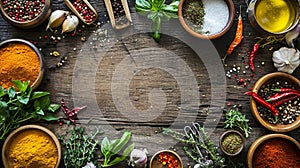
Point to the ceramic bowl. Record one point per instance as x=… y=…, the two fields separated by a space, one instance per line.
x=39 y=79
x=267 y=79
x=154 y=162
x=36 y=21
x=224 y=135
x=259 y=141
x=27 y=128
x=228 y=25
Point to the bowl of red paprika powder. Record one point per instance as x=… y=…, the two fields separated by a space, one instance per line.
x=275 y=102
x=25 y=14
x=20 y=60
x=274 y=150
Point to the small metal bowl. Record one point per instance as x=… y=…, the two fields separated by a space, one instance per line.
x=224 y=136
x=230 y=21
x=36 y=21
x=40 y=76
x=154 y=162
x=9 y=140
x=267 y=79
x=259 y=141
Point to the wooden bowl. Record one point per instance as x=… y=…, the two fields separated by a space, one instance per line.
x=154 y=163
x=266 y=79
x=9 y=140
x=230 y=21
x=231 y=132
x=264 y=138
x=40 y=76
x=36 y=21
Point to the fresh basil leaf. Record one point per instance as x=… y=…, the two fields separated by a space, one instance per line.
x=49 y=117
x=172 y=8
x=20 y=85
x=124 y=155
x=25 y=96
x=53 y=107
x=2 y=91
x=44 y=102
x=105 y=146
x=36 y=95
x=142 y=4
x=11 y=92
x=123 y=141
x=40 y=112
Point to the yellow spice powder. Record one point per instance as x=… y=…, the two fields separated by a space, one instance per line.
x=33 y=149
x=18 y=61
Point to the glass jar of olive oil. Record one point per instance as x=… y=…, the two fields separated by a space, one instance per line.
x=274 y=16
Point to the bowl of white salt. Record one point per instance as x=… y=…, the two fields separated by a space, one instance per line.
x=206 y=19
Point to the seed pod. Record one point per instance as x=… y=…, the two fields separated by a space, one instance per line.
x=70 y=23
x=56 y=19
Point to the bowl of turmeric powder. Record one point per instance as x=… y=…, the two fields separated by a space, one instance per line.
x=20 y=60
x=31 y=146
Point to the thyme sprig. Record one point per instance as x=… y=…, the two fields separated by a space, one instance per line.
x=191 y=151
x=234 y=118
x=79 y=148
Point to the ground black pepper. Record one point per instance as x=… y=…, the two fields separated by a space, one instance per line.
x=193 y=13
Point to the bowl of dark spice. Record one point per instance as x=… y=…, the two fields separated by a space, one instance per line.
x=26 y=13
x=206 y=19
x=166 y=159
x=232 y=142
x=275 y=101
x=20 y=60
x=31 y=146
x=274 y=150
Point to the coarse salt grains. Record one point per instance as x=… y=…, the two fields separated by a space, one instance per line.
x=216 y=15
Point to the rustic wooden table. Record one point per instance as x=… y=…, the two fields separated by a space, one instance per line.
x=130 y=82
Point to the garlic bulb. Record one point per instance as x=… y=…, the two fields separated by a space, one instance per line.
x=138 y=158
x=89 y=165
x=56 y=19
x=70 y=23
x=286 y=59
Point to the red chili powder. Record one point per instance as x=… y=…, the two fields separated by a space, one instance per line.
x=277 y=153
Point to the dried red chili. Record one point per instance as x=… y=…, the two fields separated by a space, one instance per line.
x=238 y=35
x=253 y=55
x=264 y=103
x=168 y=160
x=282 y=96
x=71 y=114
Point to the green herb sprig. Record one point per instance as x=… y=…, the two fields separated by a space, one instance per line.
x=16 y=107
x=157 y=11
x=234 y=118
x=191 y=151
x=111 y=149
x=78 y=147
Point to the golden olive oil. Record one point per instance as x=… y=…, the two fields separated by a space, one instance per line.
x=275 y=15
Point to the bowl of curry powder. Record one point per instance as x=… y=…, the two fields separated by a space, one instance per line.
x=20 y=60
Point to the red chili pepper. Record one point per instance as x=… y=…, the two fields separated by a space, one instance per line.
x=282 y=101
x=252 y=55
x=285 y=90
x=262 y=102
x=282 y=96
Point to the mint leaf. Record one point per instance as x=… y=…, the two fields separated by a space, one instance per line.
x=20 y=85
x=36 y=95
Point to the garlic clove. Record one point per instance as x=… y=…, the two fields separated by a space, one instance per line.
x=56 y=19
x=70 y=23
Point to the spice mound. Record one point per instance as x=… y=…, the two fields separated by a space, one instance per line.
x=232 y=143
x=18 y=61
x=34 y=149
x=23 y=11
x=277 y=153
